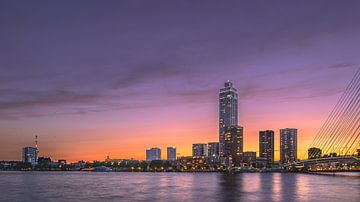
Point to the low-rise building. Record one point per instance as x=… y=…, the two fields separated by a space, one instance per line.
x=249 y=158
x=314 y=153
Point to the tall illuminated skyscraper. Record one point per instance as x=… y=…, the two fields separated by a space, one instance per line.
x=228 y=112
x=288 y=145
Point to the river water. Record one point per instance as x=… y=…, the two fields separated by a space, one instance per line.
x=113 y=186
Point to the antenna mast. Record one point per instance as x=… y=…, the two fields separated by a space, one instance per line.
x=36 y=145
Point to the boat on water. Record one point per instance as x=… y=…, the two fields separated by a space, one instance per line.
x=272 y=170
x=98 y=169
x=87 y=169
x=243 y=170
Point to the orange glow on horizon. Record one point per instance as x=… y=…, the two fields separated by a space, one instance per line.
x=127 y=136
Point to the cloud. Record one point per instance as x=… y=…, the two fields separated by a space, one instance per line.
x=118 y=56
x=133 y=93
x=11 y=98
x=342 y=65
x=30 y=103
x=148 y=72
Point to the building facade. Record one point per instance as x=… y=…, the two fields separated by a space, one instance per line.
x=249 y=158
x=288 y=145
x=228 y=112
x=266 y=146
x=29 y=155
x=213 y=149
x=199 y=150
x=171 y=153
x=233 y=143
x=153 y=154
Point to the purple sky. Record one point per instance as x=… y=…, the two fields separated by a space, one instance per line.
x=121 y=64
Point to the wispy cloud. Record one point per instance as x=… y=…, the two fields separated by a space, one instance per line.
x=343 y=65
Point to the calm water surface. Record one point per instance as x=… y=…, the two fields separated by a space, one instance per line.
x=83 y=186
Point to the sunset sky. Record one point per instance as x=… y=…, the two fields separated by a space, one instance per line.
x=99 y=78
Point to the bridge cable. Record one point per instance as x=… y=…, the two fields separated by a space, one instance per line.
x=340 y=123
x=336 y=114
x=348 y=118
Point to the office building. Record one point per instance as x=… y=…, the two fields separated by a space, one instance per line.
x=228 y=112
x=153 y=154
x=213 y=149
x=288 y=145
x=314 y=153
x=199 y=150
x=266 y=146
x=171 y=153
x=29 y=155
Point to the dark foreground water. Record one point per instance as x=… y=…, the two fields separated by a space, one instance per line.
x=83 y=186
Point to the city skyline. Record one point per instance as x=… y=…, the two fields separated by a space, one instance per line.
x=230 y=133
x=101 y=80
x=158 y=100
x=226 y=108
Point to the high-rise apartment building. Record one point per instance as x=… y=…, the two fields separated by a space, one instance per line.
x=153 y=154
x=199 y=150
x=233 y=142
x=171 y=153
x=288 y=145
x=266 y=146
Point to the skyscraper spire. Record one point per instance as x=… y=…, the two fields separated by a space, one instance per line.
x=36 y=141
x=36 y=147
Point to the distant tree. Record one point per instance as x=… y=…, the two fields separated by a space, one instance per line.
x=167 y=164
x=109 y=164
x=44 y=163
x=144 y=165
x=156 y=164
x=97 y=163
x=88 y=165
x=23 y=166
x=123 y=164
